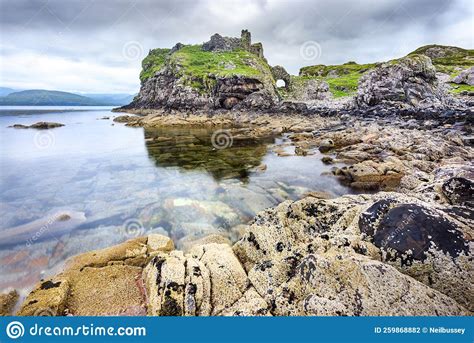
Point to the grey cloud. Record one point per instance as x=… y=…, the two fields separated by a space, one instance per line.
x=88 y=31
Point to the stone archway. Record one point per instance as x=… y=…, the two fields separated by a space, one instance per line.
x=279 y=73
x=280 y=83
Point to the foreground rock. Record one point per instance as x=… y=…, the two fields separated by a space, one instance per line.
x=8 y=301
x=384 y=254
x=313 y=242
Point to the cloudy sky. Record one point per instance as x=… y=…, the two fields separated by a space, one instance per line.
x=97 y=45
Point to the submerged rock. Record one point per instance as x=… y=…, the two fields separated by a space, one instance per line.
x=52 y=225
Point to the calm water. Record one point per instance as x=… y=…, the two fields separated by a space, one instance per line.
x=94 y=183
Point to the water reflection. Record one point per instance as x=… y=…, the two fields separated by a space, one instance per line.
x=173 y=182
x=193 y=149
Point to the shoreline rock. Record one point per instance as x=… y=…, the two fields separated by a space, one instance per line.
x=42 y=125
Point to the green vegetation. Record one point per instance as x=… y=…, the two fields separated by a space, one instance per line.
x=342 y=79
x=153 y=63
x=200 y=63
x=199 y=69
x=456 y=89
x=447 y=59
x=336 y=70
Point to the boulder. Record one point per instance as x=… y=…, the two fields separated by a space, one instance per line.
x=371 y=175
x=459 y=191
x=207 y=281
x=326 y=145
x=424 y=242
x=465 y=77
x=307 y=258
x=410 y=81
x=310 y=90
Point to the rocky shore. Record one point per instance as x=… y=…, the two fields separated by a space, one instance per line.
x=405 y=250
x=402 y=246
x=383 y=254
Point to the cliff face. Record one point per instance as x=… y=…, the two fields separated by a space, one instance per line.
x=232 y=73
x=225 y=72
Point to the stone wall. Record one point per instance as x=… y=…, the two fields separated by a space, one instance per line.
x=221 y=43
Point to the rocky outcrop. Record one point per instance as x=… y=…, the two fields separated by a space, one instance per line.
x=218 y=74
x=465 y=77
x=424 y=243
x=309 y=90
x=370 y=175
x=189 y=78
x=103 y=282
x=410 y=81
x=280 y=73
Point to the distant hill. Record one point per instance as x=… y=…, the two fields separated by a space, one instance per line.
x=40 y=97
x=113 y=99
x=447 y=59
x=5 y=91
